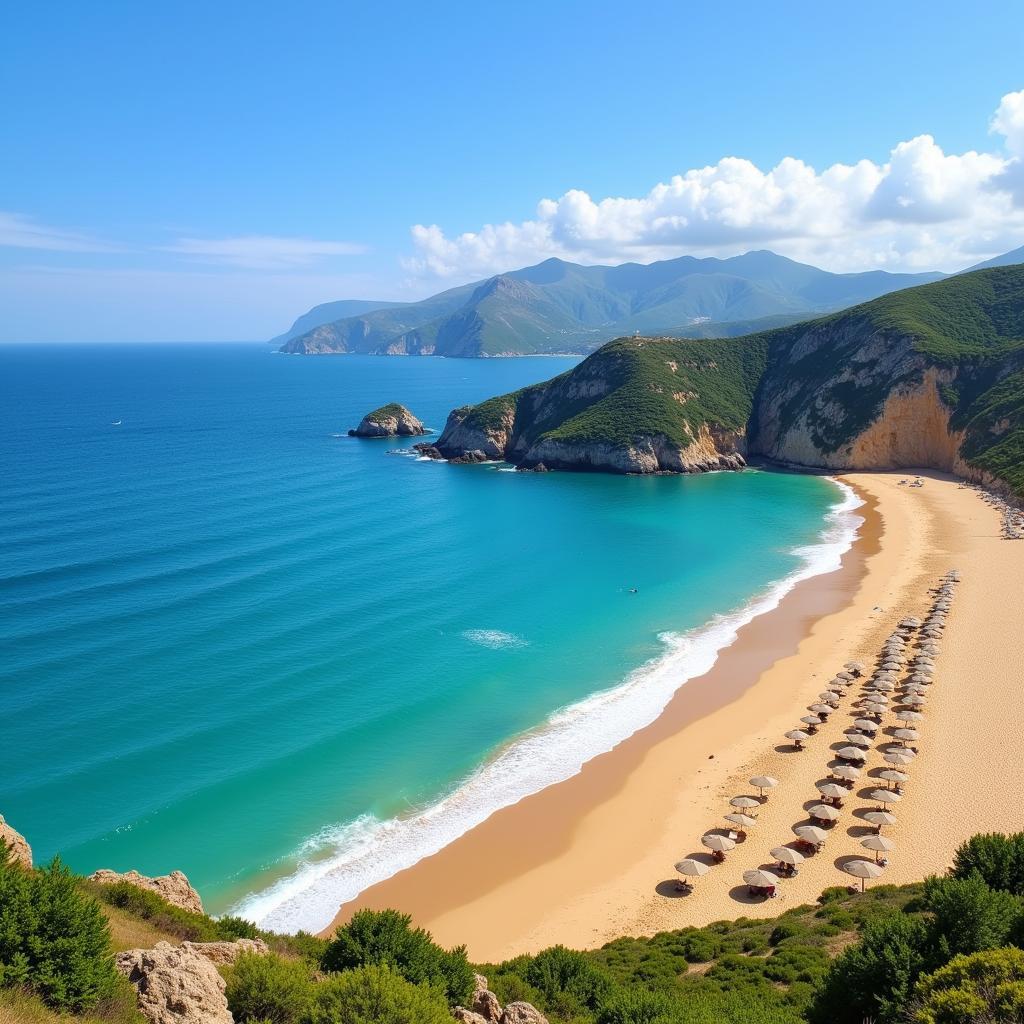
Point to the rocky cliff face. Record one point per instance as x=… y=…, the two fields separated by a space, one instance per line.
x=176 y=985
x=175 y=887
x=17 y=845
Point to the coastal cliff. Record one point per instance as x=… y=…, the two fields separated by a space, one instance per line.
x=928 y=377
x=392 y=420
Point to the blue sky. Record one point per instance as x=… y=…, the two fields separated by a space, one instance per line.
x=207 y=171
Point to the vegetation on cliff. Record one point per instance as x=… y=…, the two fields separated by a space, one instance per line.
x=803 y=393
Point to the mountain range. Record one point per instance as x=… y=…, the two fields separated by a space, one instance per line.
x=561 y=307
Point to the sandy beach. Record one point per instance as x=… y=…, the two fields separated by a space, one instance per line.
x=591 y=859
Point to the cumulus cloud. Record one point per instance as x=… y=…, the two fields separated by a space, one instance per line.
x=262 y=252
x=923 y=208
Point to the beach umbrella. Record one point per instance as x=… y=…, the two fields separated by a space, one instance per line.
x=907 y=753
x=812 y=720
x=811 y=833
x=866 y=725
x=846 y=771
x=915 y=699
x=910 y=622
x=720 y=844
x=830 y=789
x=891 y=775
x=891 y=665
x=763 y=782
x=854 y=666
x=858 y=739
x=907 y=735
x=760 y=878
x=883 y=686
x=797 y=735
x=851 y=753
x=784 y=855
x=741 y=820
x=863 y=869
x=744 y=802
x=830 y=697
x=693 y=868
x=824 y=812
x=844 y=675
x=880 y=844
x=875 y=709
x=822 y=709
x=880 y=818
x=909 y=716
x=884 y=796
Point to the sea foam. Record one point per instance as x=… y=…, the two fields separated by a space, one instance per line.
x=340 y=862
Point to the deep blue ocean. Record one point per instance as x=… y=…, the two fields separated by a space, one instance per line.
x=237 y=642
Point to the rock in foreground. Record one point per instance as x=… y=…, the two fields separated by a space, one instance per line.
x=176 y=985
x=175 y=887
x=392 y=420
x=487 y=1010
x=17 y=845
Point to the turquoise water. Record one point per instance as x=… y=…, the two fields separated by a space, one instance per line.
x=239 y=644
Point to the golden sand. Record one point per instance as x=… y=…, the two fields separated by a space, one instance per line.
x=591 y=858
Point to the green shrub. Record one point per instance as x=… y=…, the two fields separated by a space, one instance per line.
x=968 y=916
x=375 y=994
x=387 y=937
x=987 y=986
x=786 y=930
x=268 y=988
x=873 y=978
x=53 y=938
x=559 y=972
x=700 y=947
x=637 y=1006
x=998 y=859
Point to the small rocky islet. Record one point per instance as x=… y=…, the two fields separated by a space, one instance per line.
x=391 y=420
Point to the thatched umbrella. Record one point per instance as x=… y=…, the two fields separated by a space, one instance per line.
x=909 y=716
x=785 y=855
x=880 y=818
x=892 y=775
x=692 y=868
x=763 y=782
x=884 y=796
x=759 y=878
x=880 y=844
x=824 y=812
x=851 y=754
x=811 y=833
x=863 y=869
x=830 y=790
x=720 y=844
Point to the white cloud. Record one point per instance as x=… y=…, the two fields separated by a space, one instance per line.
x=20 y=232
x=923 y=208
x=262 y=252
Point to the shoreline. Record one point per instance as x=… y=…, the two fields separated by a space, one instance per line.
x=425 y=889
x=591 y=858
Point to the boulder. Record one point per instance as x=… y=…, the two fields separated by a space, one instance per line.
x=464 y=1016
x=485 y=1003
x=17 y=845
x=227 y=952
x=522 y=1013
x=175 y=985
x=391 y=420
x=174 y=888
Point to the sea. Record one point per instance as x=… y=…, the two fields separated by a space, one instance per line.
x=238 y=642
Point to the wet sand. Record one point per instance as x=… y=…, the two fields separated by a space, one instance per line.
x=591 y=858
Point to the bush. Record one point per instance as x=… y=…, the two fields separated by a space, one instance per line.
x=54 y=939
x=387 y=937
x=152 y=907
x=968 y=916
x=986 y=986
x=559 y=973
x=700 y=947
x=998 y=859
x=267 y=988
x=375 y=994
x=637 y=1006
x=873 y=979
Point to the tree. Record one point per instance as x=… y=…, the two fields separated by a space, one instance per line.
x=637 y=1006
x=998 y=859
x=375 y=994
x=566 y=976
x=387 y=937
x=968 y=916
x=268 y=988
x=53 y=938
x=873 y=979
x=981 y=988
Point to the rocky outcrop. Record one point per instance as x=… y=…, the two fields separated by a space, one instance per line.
x=491 y=436
x=174 y=888
x=392 y=420
x=18 y=849
x=486 y=1009
x=227 y=952
x=176 y=985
